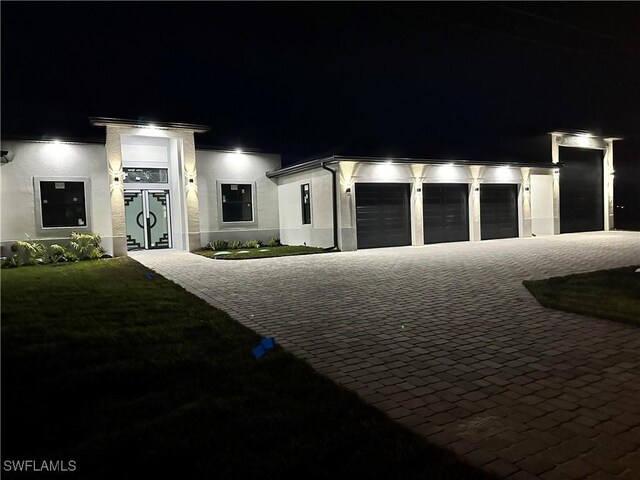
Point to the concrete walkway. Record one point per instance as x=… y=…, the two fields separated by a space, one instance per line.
x=446 y=340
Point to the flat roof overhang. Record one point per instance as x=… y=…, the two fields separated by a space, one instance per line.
x=123 y=122
x=301 y=167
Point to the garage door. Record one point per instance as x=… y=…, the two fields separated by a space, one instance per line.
x=382 y=215
x=498 y=211
x=581 y=202
x=445 y=209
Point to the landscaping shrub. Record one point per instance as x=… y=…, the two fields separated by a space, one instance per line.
x=252 y=244
x=86 y=246
x=219 y=245
x=236 y=245
x=81 y=246
x=274 y=242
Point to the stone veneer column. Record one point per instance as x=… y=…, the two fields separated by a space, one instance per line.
x=191 y=190
x=474 y=204
x=116 y=192
x=607 y=171
x=526 y=201
x=555 y=158
x=417 y=215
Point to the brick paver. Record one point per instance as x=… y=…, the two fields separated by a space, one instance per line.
x=446 y=340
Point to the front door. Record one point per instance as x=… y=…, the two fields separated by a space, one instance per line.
x=147 y=219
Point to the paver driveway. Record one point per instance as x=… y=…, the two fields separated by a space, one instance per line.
x=446 y=340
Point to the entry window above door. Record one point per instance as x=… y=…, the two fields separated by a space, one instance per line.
x=237 y=202
x=146 y=175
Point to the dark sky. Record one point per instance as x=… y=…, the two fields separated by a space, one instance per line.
x=477 y=80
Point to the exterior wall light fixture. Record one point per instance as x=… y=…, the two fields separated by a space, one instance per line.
x=191 y=180
x=526 y=189
x=116 y=179
x=477 y=189
x=348 y=190
x=418 y=189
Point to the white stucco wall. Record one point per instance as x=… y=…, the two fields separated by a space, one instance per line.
x=319 y=233
x=218 y=166
x=59 y=160
x=542 y=204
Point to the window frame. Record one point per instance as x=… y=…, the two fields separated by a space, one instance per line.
x=234 y=223
x=40 y=228
x=305 y=220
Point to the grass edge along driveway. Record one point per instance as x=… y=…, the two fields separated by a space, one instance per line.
x=612 y=294
x=131 y=376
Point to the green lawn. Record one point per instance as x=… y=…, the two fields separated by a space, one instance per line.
x=262 y=252
x=612 y=294
x=136 y=378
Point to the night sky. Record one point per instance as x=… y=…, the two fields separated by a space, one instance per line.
x=455 y=80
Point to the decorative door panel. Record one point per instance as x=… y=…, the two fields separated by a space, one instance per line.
x=147 y=219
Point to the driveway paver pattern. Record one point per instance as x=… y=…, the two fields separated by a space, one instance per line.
x=446 y=340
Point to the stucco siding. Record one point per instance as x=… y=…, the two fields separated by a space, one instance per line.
x=52 y=160
x=217 y=167
x=319 y=233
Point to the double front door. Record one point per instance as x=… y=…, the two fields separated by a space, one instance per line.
x=147 y=215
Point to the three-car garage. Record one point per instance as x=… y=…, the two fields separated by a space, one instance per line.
x=383 y=213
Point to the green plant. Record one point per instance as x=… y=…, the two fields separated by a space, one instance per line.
x=69 y=256
x=54 y=253
x=252 y=244
x=219 y=245
x=236 y=244
x=10 y=262
x=28 y=252
x=86 y=246
x=274 y=242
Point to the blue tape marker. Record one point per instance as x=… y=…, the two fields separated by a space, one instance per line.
x=259 y=352
x=268 y=343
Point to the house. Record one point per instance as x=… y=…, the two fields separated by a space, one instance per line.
x=149 y=187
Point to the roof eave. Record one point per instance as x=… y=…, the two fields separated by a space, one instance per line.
x=123 y=122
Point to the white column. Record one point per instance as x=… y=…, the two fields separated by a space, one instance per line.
x=608 y=174
x=525 y=192
x=555 y=158
x=474 y=205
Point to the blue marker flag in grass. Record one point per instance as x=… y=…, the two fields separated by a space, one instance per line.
x=259 y=351
x=268 y=343
x=149 y=276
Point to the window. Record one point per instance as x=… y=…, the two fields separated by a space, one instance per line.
x=63 y=204
x=237 y=202
x=145 y=175
x=306 y=204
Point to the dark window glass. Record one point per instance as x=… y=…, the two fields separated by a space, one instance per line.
x=63 y=204
x=236 y=203
x=306 y=204
x=145 y=175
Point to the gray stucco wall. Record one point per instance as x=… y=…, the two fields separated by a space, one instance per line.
x=52 y=160
x=216 y=167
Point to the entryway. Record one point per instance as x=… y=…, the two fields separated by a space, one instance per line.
x=147 y=219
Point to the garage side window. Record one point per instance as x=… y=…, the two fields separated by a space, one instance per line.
x=237 y=202
x=305 y=197
x=63 y=204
